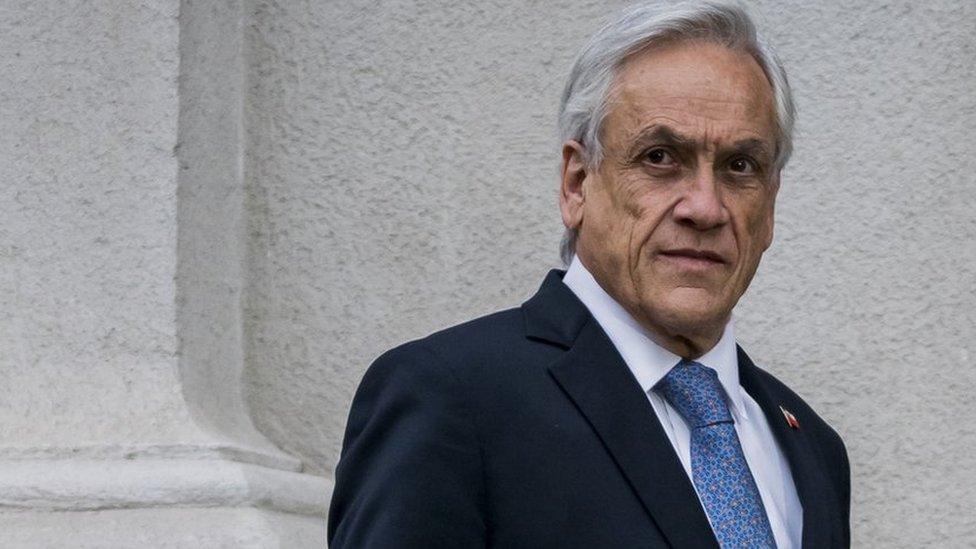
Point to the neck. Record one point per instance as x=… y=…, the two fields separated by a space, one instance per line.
x=686 y=344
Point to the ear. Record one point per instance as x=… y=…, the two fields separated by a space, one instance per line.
x=770 y=217
x=571 y=194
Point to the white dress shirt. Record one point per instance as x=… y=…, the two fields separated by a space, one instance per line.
x=649 y=362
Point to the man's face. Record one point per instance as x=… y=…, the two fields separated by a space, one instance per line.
x=675 y=220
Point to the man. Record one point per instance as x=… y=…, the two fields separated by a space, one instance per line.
x=613 y=409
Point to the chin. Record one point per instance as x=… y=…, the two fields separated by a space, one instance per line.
x=688 y=312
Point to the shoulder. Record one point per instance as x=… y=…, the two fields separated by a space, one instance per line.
x=430 y=388
x=484 y=334
x=465 y=350
x=485 y=363
x=411 y=462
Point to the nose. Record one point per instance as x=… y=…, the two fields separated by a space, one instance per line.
x=700 y=205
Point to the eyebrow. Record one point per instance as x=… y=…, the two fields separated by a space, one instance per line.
x=659 y=133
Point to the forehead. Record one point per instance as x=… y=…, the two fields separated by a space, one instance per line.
x=706 y=90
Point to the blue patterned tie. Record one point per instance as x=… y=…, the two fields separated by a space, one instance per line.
x=718 y=467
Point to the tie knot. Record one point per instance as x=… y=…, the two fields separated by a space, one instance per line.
x=694 y=390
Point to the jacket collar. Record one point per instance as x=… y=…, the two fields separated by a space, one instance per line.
x=554 y=313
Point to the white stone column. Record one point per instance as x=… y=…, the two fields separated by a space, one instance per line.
x=122 y=272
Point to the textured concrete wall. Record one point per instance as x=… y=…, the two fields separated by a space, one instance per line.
x=122 y=237
x=88 y=105
x=402 y=177
x=867 y=302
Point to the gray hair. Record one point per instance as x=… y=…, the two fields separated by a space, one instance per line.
x=585 y=99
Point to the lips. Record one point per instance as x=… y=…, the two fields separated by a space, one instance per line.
x=693 y=256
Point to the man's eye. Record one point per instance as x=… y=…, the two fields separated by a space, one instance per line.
x=660 y=157
x=743 y=166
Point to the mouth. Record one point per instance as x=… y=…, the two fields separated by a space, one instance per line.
x=690 y=258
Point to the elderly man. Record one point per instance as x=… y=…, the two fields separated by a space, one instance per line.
x=614 y=409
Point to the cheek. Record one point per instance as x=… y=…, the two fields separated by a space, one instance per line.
x=618 y=212
x=631 y=201
x=755 y=235
x=642 y=232
x=630 y=237
x=647 y=211
x=762 y=228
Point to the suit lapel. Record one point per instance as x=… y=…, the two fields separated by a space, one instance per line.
x=596 y=379
x=800 y=452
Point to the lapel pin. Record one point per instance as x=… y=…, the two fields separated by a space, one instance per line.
x=790 y=418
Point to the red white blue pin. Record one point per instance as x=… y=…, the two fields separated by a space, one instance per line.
x=790 y=418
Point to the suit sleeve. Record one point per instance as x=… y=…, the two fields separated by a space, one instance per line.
x=845 y=483
x=410 y=473
x=839 y=471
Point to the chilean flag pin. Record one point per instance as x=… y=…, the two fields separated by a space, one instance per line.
x=790 y=418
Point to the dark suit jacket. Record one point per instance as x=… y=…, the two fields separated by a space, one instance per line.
x=525 y=428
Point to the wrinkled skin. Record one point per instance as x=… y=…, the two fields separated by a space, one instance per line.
x=674 y=221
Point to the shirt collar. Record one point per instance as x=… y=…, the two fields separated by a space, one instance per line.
x=648 y=361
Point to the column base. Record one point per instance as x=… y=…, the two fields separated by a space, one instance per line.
x=169 y=528
x=160 y=497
